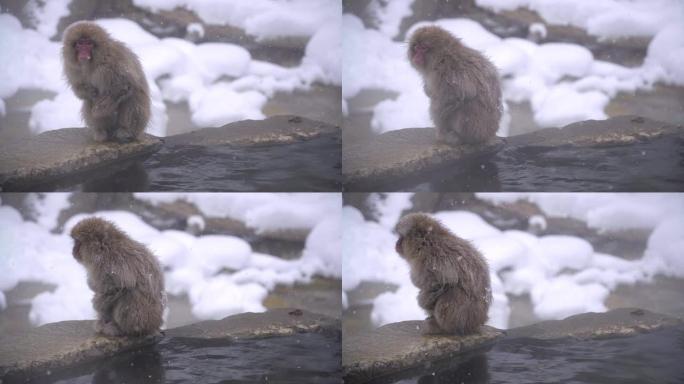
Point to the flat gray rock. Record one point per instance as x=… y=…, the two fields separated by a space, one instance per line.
x=64 y=152
x=58 y=345
x=275 y=322
x=282 y=129
x=614 y=323
x=404 y=152
x=619 y=130
x=398 y=346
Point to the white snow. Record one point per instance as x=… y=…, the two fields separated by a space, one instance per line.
x=47 y=207
x=388 y=14
x=46 y=14
x=562 y=274
x=603 y=18
x=563 y=82
x=220 y=274
x=264 y=19
x=220 y=82
x=602 y=211
x=263 y=212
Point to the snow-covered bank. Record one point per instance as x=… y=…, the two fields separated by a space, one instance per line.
x=563 y=82
x=563 y=275
x=221 y=274
x=220 y=82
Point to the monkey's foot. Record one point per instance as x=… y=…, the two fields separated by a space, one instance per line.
x=430 y=327
x=99 y=136
x=123 y=137
x=107 y=329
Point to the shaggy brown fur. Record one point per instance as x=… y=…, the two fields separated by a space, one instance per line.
x=462 y=84
x=452 y=275
x=125 y=276
x=108 y=77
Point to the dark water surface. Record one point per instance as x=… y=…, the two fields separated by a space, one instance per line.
x=648 y=358
x=655 y=166
x=302 y=358
x=311 y=165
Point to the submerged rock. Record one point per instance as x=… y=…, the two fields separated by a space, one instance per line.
x=614 y=323
x=399 y=346
x=404 y=152
x=64 y=152
x=64 y=344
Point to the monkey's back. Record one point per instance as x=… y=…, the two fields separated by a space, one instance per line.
x=473 y=108
x=140 y=307
x=465 y=292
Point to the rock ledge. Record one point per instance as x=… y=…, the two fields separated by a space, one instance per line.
x=56 y=154
x=398 y=346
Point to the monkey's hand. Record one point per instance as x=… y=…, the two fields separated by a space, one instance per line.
x=104 y=106
x=85 y=91
x=427 y=298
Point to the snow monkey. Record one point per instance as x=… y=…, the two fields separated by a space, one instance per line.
x=108 y=77
x=462 y=84
x=125 y=276
x=451 y=274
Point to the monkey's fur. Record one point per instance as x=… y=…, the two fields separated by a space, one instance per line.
x=110 y=81
x=452 y=275
x=462 y=84
x=125 y=276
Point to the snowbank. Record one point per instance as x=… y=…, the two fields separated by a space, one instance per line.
x=563 y=82
x=563 y=275
x=221 y=274
x=220 y=82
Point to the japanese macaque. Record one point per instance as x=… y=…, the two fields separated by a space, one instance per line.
x=451 y=274
x=108 y=77
x=125 y=276
x=462 y=84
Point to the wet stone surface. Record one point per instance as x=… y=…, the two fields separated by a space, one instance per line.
x=281 y=153
x=399 y=346
x=282 y=129
x=57 y=346
x=402 y=153
x=616 y=323
x=626 y=153
x=395 y=350
x=56 y=154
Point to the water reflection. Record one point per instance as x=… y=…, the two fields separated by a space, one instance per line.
x=311 y=165
x=645 y=358
x=656 y=165
x=142 y=366
x=474 y=370
x=300 y=358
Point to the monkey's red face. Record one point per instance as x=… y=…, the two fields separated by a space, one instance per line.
x=84 y=49
x=418 y=52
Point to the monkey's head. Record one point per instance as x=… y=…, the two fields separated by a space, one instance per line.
x=415 y=231
x=82 y=40
x=92 y=237
x=426 y=42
